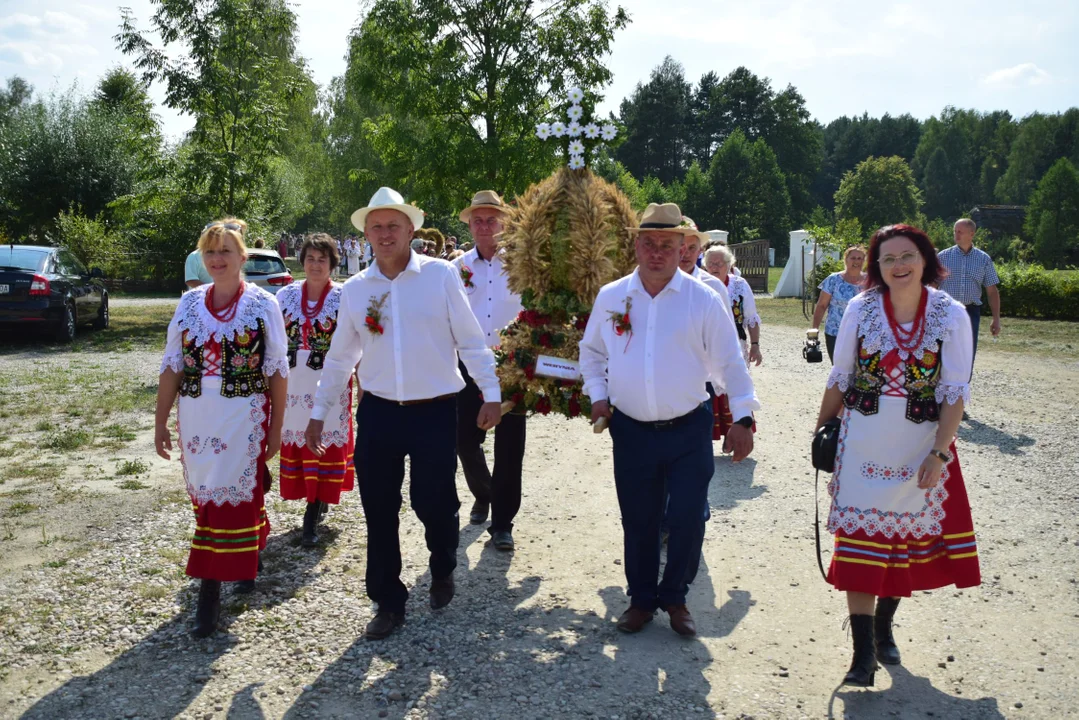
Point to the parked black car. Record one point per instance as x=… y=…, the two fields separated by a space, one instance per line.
x=49 y=287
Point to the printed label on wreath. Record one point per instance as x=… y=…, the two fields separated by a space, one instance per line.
x=558 y=368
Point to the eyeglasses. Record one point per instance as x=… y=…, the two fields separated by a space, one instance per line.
x=227 y=225
x=908 y=258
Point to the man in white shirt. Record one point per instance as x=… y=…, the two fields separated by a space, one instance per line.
x=405 y=320
x=652 y=341
x=495 y=307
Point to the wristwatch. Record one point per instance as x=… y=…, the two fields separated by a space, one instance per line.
x=746 y=422
x=942 y=456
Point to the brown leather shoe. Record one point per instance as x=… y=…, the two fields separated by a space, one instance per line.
x=634 y=619
x=384 y=623
x=681 y=621
x=442 y=592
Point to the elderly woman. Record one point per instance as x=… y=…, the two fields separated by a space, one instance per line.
x=719 y=262
x=310 y=309
x=226 y=357
x=899 y=507
x=835 y=292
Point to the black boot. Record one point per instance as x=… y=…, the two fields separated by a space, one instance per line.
x=864 y=664
x=246 y=587
x=887 y=652
x=310 y=525
x=209 y=608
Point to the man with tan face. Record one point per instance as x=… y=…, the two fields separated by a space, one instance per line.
x=405 y=320
x=497 y=490
x=652 y=341
x=969 y=270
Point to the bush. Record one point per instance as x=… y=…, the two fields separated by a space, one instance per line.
x=91 y=241
x=1032 y=291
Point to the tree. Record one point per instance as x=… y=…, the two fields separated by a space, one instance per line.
x=749 y=190
x=480 y=74
x=123 y=95
x=1040 y=142
x=799 y=146
x=1053 y=215
x=939 y=183
x=56 y=154
x=699 y=201
x=703 y=136
x=878 y=192
x=236 y=77
x=658 y=124
x=17 y=94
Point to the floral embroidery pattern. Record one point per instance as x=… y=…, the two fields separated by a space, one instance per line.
x=373 y=321
x=195 y=446
x=622 y=325
x=873 y=471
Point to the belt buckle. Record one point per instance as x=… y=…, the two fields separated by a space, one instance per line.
x=663 y=424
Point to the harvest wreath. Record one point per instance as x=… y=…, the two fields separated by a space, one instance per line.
x=564 y=239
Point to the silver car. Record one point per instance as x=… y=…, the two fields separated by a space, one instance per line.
x=266 y=269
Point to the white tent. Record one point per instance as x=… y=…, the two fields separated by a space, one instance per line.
x=800 y=263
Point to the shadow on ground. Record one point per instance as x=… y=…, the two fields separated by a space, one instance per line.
x=909 y=696
x=978 y=433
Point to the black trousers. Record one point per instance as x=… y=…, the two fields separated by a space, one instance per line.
x=385 y=433
x=501 y=488
x=829 y=344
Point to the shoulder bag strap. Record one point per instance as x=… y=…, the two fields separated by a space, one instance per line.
x=816 y=525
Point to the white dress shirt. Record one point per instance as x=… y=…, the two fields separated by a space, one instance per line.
x=716 y=284
x=493 y=304
x=680 y=339
x=426 y=324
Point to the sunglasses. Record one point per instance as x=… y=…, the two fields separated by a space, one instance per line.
x=227 y=225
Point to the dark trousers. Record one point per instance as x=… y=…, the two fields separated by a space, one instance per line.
x=829 y=343
x=500 y=488
x=385 y=433
x=650 y=463
x=975 y=313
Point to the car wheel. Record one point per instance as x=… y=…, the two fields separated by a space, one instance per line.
x=65 y=330
x=101 y=322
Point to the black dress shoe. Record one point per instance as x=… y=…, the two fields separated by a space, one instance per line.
x=634 y=619
x=384 y=623
x=208 y=610
x=442 y=592
x=502 y=540
x=478 y=516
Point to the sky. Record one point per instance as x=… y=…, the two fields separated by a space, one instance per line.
x=846 y=57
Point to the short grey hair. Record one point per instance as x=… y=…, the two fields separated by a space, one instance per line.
x=966 y=221
x=723 y=251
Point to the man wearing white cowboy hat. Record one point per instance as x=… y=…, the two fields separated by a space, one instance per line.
x=652 y=341
x=495 y=307
x=405 y=320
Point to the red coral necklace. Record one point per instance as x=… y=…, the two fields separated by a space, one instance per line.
x=227 y=313
x=907 y=340
x=313 y=312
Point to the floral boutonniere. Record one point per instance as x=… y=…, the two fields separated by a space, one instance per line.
x=466 y=277
x=374 y=314
x=621 y=322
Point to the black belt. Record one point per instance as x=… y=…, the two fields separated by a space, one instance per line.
x=665 y=424
x=404 y=403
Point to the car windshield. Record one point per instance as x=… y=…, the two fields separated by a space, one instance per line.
x=263 y=265
x=22 y=258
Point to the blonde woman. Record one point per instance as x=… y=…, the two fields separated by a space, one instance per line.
x=836 y=291
x=226 y=357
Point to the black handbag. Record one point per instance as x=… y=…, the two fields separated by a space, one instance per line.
x=825 y=446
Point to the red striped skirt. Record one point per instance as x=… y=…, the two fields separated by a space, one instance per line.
x=721 y=417
x=305 y=476
x=897 y=567
x=228 y=539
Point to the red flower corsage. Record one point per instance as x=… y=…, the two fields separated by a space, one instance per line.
x=621 y=322
x=373 y=321
x=466 y=276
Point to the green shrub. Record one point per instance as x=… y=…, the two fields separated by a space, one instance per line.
x=1033 y=291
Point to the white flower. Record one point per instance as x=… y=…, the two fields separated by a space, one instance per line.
x=575 y=95
x=609 y=132
x=558 y=129
x=591 y=131
x=575 y=112
x=574 y=129
x=543 y=131
x=576 y=148
x=576 y=162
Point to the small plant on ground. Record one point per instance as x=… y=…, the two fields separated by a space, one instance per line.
x=133 y=484
x=66 y=441
x=131 y=467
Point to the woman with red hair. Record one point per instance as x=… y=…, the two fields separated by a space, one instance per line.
x=899 y=510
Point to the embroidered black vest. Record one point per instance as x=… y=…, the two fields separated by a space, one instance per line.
x=920 y=381
x=241 y=364
x=318 y=340
x=739 y=317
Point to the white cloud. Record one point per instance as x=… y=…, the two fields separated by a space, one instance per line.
x=63 y=22
x=31 y=55
x=1022 y=75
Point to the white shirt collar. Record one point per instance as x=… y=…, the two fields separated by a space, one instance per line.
x=413 y=266
x=675 y=284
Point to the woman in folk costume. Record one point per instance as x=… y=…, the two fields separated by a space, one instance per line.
x=310 y=312
x=719 y=262
x=226 y=357
x=352 y=253
x=899 y=511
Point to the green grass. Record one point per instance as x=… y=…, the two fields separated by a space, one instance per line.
x=20 y=508
x=773 y=277
x=120 y=434
x=132 y=484
x=68 y=440
x=131 y=467
x=130 y=328
x=39 y=471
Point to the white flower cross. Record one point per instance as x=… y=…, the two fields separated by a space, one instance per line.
x=576 y=127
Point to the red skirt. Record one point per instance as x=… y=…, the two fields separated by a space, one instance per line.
x=228 y=539
x=305 y=476
x=721 y=417
x=897 y=567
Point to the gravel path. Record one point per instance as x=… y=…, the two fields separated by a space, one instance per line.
x=531 y=635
